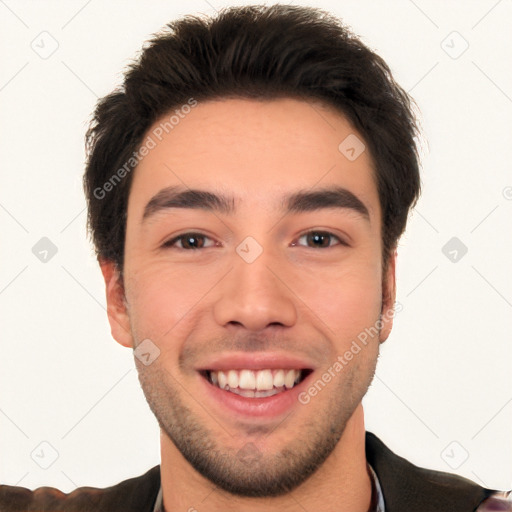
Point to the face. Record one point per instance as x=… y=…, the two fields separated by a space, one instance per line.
x=253 y=262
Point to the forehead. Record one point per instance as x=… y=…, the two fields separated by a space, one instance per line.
x=257 y=151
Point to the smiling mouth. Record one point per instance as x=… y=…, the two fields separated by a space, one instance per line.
x=256 y=383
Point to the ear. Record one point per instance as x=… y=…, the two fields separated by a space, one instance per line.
x=117 y=310
x=388 y=297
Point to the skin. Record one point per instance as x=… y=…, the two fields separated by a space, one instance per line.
x=295 y=298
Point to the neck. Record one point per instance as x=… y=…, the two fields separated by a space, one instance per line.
x=342 y=483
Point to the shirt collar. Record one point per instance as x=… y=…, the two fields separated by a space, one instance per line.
x=158 y=503
x=377 y=496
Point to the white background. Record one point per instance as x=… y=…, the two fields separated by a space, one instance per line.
x=444 y=374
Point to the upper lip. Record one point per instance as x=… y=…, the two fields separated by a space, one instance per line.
x=255 y=361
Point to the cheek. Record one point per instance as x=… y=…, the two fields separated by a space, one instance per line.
x=163 y=299
x=347 y=303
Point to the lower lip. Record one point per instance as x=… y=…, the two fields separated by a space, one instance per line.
x=264 y=407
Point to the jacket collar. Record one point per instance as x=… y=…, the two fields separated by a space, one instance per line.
x=409 y=487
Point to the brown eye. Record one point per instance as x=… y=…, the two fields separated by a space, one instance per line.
x=320 y=239
x=188 y=241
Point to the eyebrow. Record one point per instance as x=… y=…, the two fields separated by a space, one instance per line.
x=299 y=202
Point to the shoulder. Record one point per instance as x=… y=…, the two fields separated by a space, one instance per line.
x=409 y=487
x=135 y=494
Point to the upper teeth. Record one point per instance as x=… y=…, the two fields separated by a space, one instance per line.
x=260 y=380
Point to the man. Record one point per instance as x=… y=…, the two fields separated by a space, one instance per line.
x=247 y=188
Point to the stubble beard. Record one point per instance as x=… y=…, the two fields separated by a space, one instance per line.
x=246 y=471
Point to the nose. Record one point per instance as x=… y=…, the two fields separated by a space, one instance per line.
x=255 y=295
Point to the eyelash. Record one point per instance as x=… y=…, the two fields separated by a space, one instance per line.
x=171 y=244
